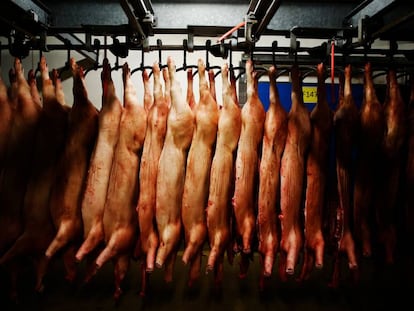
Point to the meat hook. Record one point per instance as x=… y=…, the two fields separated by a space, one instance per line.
x=142 y=67
x=185 y=66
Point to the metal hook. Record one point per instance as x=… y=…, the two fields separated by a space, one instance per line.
x=185 y=66
x=274 y=47
x=252 y=52
x=280 y=73
x=232 y=68
x=217 y=73
x=142 y=67
x=105 y=46
x=208 y=45
x=159 y=45
x=68 y=44
x=116 y=66
x=310 y=70
x=185 y=46
x=38 y=64
x=97 y=45
x=393 y=49
x=142 y=58
x=230 y=57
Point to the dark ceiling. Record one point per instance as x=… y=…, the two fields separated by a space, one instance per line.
x=27 y=23
x=33 y=17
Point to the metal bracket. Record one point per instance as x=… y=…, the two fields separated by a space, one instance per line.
x=233 y=42
x=294 y=44
x=19 y=46
x=274 y=48
x=150 y=19
x=119 y=49
x=159 y=46
x=43 y=42
x=393 y=49
x=250 y=20
x=145 y=45
x=190 y=42
x=363 y=33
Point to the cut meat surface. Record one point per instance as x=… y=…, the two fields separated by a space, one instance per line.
x=212 y=81
x=6 y=115
x=48 y=144
x=148 y=94
x=274 y=138
x=67 y=191
x=368 y=164
x=154 y=141
x=60 y=96
x=31 y=79
x=409 y=173
x=17 y=160
x=120 y=221
x=17 y=165
x=167 y=86
x=247 y=164
x=394 y=138
x=197 y=176
x=171 y=174
x=345 y=129
x=93 y=201
x=222 y=178
x=317 y=173
x=292 y=178
x=190 y=93
x=12 y=90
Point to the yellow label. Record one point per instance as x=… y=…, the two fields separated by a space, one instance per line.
x=309 y=94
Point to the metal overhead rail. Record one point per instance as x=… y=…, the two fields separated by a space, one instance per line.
x=283 y=54
x=136 y=21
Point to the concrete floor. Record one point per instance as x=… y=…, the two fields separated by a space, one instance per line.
x=380 y=288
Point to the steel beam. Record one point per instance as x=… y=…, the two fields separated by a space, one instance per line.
x=133 y=22
x=368 y=8
x=39 y=13
x=24 y=16
x=71 y=40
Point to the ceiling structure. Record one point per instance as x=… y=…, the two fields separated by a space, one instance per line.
x=350 y=24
